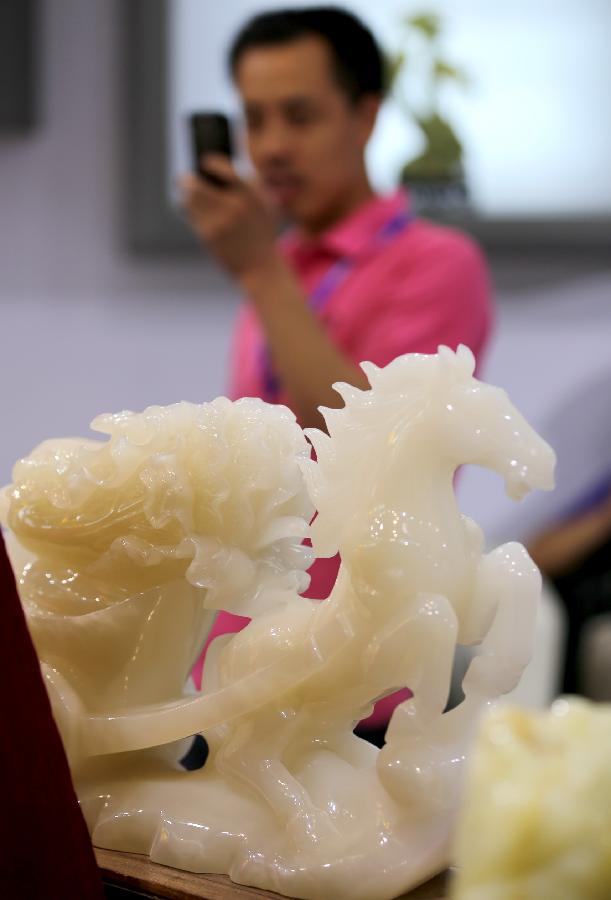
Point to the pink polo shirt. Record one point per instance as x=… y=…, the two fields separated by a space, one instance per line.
x=426 y=286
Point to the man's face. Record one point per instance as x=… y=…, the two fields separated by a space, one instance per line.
x=305 y=137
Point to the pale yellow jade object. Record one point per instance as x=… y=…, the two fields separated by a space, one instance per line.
x=536 y=821
x=125 y=549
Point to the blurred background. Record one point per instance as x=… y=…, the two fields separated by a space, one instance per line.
x=107 y=303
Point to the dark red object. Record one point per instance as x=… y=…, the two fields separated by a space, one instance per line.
x=45 y=849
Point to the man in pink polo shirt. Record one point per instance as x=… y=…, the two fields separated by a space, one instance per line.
x=357 y=277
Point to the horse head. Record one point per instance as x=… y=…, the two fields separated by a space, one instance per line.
x=478 y=424
x=423 y=416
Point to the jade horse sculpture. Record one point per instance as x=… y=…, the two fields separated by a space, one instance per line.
x=126 y=548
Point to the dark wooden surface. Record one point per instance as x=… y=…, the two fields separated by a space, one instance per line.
x=139 y=874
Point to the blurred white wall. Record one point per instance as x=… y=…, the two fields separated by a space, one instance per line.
x=535 y=141
x=85 y=328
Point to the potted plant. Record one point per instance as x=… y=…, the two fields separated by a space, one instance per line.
x=435 y=177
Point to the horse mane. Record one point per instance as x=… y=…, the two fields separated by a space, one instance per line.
x=347 y=457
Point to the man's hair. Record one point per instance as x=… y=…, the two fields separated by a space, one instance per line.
x=356 y=57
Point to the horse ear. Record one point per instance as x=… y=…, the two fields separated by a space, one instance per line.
x=447 y=359
x=461 y=363
x=465 y=360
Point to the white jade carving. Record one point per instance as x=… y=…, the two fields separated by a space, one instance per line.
x=536 y=817
x=124 y=549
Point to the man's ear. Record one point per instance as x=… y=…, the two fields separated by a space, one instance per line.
x=368 y=107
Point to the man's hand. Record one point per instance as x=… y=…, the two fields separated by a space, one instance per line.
x=233 y=221
x=239 y=229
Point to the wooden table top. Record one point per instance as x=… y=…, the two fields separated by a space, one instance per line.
x=136 y=872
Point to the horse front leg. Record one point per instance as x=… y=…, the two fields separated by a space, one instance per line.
x=421 y=765
x=507 y=592
x=406 y=766
x=418 y=653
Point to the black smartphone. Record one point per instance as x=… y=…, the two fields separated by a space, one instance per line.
x=210 y=133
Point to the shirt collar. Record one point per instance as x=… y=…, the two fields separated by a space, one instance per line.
x=352 y=235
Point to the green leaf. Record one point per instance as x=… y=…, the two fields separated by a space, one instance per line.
x=428 y=23
x=442 y=69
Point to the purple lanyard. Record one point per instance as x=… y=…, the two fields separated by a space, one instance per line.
x=318 y=300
